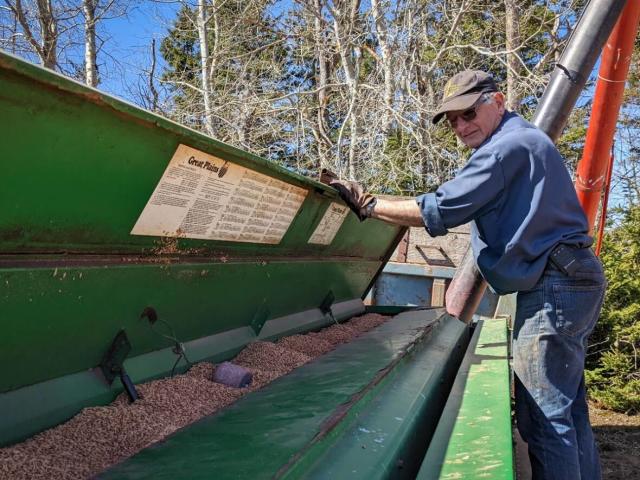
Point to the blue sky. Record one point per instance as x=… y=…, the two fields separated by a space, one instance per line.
x=128 y=39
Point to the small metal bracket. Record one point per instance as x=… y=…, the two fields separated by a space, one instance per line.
x=325 y=305
x=573 y=75
x=260 y=318
x=112 y=364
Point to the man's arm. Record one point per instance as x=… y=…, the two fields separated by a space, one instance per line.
x=398 y=212
x=364 y=205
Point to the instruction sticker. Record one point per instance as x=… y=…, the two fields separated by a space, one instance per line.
x=331 y=222
x=205 y=197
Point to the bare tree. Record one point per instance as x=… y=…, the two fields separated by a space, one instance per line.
x=90 y=68
x=145 y=92
x=152 y=73
x=513 y=42
x=95 y=11
x=322 y=80
x=379 y=12
x=39 y=27
x=352 y=85
x=62 y=34
x=206 y=63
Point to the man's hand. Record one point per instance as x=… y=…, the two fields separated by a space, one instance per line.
x=352 y=193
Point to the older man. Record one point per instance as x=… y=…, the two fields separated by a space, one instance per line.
x=529 y=235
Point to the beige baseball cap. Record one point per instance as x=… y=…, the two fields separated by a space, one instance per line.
x=463 y=90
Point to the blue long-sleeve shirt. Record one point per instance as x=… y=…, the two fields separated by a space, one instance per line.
x=519 y=194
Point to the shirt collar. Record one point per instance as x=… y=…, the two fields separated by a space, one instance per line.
x=505 y=125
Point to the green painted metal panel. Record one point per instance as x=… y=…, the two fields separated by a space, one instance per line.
x=61 y=321
x=473 y=439
x=387 y=437
x=288 y=424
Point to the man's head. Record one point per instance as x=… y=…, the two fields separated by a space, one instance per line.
x=472 y=105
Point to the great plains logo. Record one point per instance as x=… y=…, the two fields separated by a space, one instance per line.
x=206 y=165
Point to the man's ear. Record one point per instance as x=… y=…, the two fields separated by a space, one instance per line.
x=500 y=101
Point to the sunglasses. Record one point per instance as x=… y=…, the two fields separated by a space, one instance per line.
x=469 y=114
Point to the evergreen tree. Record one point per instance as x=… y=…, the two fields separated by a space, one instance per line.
x=180 y=52
x=613 y=376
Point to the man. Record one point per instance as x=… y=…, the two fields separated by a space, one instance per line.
x=529 y=235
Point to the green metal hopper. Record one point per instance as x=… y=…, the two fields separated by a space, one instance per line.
x=112 y=215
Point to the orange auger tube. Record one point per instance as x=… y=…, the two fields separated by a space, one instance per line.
x=614 y=66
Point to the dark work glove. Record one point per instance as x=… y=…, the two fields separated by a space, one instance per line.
x=352 y=194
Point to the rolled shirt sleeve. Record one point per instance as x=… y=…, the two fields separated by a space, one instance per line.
x=433 y=221
x=467 y=196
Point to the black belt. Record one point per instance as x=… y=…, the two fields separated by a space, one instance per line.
x=566 y=258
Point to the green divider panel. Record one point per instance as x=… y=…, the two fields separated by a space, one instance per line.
x=285 y=429
x=473 y=438
x=60 y=321
x=387 y=437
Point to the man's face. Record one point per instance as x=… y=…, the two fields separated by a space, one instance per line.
x=474 y=125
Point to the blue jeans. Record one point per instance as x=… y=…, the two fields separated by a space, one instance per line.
x=553 y=321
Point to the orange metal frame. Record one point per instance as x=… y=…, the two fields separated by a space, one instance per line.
x=614 y=67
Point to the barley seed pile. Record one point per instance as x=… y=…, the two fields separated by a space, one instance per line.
x=99 y=437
